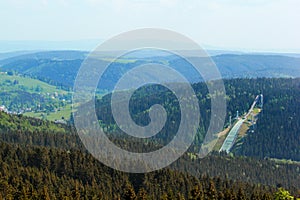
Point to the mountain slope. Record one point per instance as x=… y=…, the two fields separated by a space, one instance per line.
x=46 y=155
x=60 y=67
x=276 y=133
x=233 y=66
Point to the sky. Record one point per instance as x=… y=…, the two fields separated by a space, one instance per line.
x=253 y=25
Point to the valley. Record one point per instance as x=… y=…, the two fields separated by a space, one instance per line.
x=21 y=94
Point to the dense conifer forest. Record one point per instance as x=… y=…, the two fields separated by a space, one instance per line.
x=276 y=134
x=44 y=160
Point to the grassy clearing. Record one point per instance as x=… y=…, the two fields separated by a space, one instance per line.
x=14 y=83
x=123 y=61
x=244 y=128
x=52 y=116
x=216 y=144
x=221 y=138
x=285 y=161
x=256 y=111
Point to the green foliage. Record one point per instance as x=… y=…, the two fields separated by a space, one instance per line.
x=282 y=194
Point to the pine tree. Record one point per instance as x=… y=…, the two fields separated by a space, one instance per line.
x=76 y=193
x=142 y=194
x=164 y=196
x=221 y=196
x=180 y=196
x=267 y=196
x=241 y=194
x=211 y=193
x=197 y=193
x=129 y=193
x=24 y=194
x=45 y=195
x=229 y=195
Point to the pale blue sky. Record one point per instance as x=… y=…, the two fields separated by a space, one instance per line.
x=230 y=24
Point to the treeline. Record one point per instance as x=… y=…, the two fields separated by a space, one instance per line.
x=10 y=124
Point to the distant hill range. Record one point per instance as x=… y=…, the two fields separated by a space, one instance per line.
x=61 y=67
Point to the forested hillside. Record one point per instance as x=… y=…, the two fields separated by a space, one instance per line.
x=44 y=160
x=42 y=173
x=60 y=67
x=276 y=133
x=44 y=164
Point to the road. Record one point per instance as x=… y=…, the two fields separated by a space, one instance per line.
x=232 y=135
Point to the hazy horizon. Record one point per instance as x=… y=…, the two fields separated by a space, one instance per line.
x=10 y=46
x=258 y=25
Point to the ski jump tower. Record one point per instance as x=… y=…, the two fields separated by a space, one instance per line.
x=261 y=103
